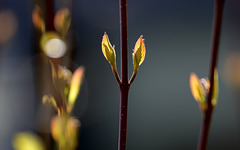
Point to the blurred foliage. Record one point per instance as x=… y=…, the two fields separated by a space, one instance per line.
x=27 y=141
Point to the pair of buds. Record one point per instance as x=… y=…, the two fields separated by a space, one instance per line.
x=53 y=42
x=200 y=90
x=138 y=55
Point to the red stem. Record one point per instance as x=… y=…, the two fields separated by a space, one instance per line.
x=219 y=4
x=202 y=145
x=123 y=118
x=124 y=40
x=50 y=15
x=124 y=86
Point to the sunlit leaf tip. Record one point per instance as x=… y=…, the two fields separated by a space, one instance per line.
x=108 y=50
x=197 y=88
x=27 y=141
x=62 y=21
x=37 y=19
x=139 y=53
x=75 y=85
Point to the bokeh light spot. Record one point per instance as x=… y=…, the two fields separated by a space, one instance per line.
x=55 y=48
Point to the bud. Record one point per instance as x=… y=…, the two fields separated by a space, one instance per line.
x=37 y=19
x=109 y=51
x=200 y=89
x=62 y=21
x=75 y=87
x=197 y=88
x=139 y=53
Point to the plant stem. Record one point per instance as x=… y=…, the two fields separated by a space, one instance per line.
x=133 y=77
x=123 y=117
x=114 y=70
x=50 y=15
x=124 y=87
x=205 y=131
x=219 y=4
x=124 y=40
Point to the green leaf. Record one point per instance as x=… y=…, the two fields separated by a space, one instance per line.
x=139 y=53
x=109 y=51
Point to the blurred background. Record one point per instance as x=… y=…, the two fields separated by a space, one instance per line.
x=162 y=112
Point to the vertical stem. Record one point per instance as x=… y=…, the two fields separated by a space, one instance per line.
x=202 y=145
x=50 y=15
x=215 y=47
x=124 y=40
x=123 y=118
x=124 y=87
x=215 y=44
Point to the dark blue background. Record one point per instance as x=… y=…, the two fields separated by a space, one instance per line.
x=162 y=112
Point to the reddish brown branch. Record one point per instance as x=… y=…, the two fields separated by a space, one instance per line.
x=124 y=87
x=219 y=4
x=50 y=15
x=124 y=40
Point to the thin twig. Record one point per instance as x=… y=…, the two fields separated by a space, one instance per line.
x=219 y=4
x=124 y=87
x=116 y=76
x=50 y=15
x=133 y=77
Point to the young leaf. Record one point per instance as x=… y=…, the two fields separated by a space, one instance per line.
x=139 y=53
x=109 y=51
x=197 y=88
x=27 y=141
x=37 y=19
x=62 y=21
x=75 y=87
